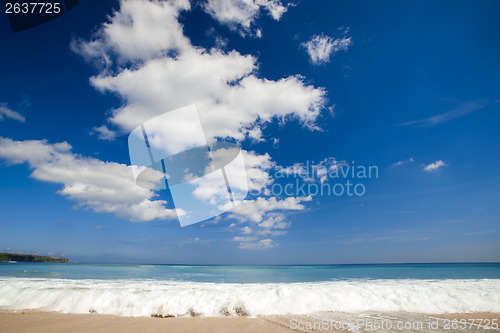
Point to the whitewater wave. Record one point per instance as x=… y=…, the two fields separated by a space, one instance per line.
x=173 y=298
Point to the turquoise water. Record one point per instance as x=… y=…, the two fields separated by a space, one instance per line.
x=251 y=274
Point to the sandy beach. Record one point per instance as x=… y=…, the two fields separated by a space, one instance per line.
x=28 y=321
x=33 y=321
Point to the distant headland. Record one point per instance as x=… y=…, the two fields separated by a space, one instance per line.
x=11 y=257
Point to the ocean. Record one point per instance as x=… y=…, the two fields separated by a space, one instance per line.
x=213 y=291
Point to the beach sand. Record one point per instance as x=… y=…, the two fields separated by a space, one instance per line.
x=33 y=321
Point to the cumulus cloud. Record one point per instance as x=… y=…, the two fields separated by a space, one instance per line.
x=232 y=101
x=257 y=170
x=434 y=166
x=266 y=217
x=6 y=113
x=139 y=30
x=147 y=60
x=320 y=47
x=241 y=14
x=104 y=133
x=275 y=221
x=246 y=230
x=255 y=210
x=103 y=187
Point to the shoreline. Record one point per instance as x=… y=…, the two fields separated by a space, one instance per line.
x=44 y=322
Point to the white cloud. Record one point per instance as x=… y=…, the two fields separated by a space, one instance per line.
x=262 y=244
x=268 y=232
x=139 y=30
x=5 y=112
x=267 y=219
x=243 y=13
x=257 y=170
x=154 y=68
x=398 y=163
x=246 y=230
x=211 y=188
x=255 y=210
x=244 y=239
x=104 y=187
x=460 y=111
x=226 y=109
x=104 y=133
x=275 y=221
x=267 y=215
x=231 y=100
x=434 y=166
x=321 y=47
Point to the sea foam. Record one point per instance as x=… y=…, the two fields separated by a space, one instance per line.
x=174 y=298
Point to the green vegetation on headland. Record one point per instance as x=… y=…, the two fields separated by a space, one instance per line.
x=6 y=257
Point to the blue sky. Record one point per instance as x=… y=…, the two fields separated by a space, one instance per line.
x=410 y=87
